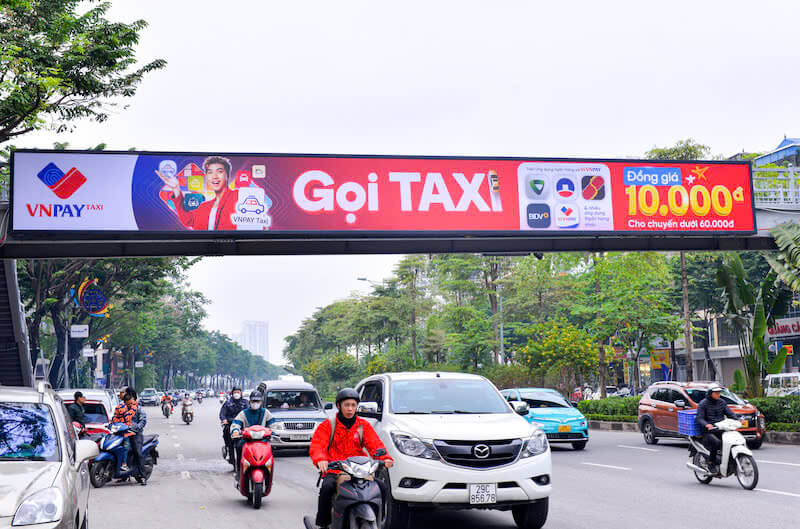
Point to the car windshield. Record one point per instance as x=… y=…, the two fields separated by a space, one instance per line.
x=27 y=432
x=697 y=395
x=442 y=395
x=95 y=412
x=147 y=393
x=292 y=400
x=543 y=399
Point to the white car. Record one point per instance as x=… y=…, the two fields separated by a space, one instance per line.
x=44 y=477
x=457 y=443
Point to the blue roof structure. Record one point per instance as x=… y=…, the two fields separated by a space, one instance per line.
x=789 y=148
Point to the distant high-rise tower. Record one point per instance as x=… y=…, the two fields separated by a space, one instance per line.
x=255 y=338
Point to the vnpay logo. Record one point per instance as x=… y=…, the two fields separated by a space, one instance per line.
x=538 y=215
x=656 y=176
x=567 y=216
x=64 y=185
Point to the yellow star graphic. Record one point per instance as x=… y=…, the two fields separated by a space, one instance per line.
x=700 y=172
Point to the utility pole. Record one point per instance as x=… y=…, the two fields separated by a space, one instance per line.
x=687 y=321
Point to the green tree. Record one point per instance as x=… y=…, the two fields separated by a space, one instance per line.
x=58 y=62
x=749 y=310
x=683 y=150
x=561 y=351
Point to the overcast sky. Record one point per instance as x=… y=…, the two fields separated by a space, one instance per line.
x=524 y=78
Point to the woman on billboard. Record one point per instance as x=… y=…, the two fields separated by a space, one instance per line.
x=214 y=214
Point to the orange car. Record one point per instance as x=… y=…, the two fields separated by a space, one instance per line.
x=658 y=410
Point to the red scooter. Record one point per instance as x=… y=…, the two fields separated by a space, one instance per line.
x=257 y=465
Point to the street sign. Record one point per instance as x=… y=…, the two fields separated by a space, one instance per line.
x=88 y=352
x=79 y=331
x=138 y=363
x=100 y=381
x=789 y=349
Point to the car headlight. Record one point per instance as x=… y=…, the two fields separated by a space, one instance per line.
x=537 y=444
x=277 y=426
x=47 y=505
x=583 y=424
x=412 y=446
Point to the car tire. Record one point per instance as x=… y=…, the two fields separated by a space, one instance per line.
x=649 y=432
x=580 y=445
x=531 y=516
x=755 y=444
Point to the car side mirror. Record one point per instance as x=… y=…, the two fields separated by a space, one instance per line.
x=520 y=407
x=680 y=403
x=85 y=449
x=368 y=409
x=328 y=405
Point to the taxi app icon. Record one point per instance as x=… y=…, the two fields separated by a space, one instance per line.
x=251 y=205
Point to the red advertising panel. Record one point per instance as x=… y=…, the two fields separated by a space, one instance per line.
x=65 y=191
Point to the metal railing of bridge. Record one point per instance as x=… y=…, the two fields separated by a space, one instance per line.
x=777 y=188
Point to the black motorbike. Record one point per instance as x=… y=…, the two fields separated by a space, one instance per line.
x=228 y=452
x=358 y=503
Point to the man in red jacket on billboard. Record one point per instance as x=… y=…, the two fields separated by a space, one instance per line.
x=352 y=437
x=212 y=214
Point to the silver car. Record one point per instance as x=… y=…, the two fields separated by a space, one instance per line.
x=44 y=475
x=298 y=411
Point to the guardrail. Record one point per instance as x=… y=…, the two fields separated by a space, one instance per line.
x=777 y=188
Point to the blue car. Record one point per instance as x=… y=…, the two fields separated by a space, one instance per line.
x=560 y=420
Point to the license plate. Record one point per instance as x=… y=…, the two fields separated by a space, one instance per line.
x=300 y=437
x=482 y=493
x=564 y=428
x=745 y=423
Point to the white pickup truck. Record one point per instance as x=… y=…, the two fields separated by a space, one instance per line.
x=458 y=444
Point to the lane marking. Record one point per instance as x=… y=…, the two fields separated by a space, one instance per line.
x=638 y=448
x=180 y=457
x=185 y=474
x=778 y=463
x=780 y=492
x=606 y=466
x=177 y=445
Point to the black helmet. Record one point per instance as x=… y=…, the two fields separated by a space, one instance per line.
x=236 y=389
x=257 y=396
x=345 y=394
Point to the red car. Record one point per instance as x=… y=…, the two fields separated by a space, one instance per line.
x=658 y=410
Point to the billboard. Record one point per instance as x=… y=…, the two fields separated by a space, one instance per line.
x=258 y=195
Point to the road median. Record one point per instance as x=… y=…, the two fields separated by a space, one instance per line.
x=789 y=438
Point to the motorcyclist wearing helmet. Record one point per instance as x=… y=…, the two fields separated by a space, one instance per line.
x=352 y=436
x=254 y=415
x=710 y=411
x=229 y=410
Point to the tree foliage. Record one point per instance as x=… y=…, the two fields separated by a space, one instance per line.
x=61 y=63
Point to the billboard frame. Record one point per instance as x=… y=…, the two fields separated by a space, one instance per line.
x=227 y=235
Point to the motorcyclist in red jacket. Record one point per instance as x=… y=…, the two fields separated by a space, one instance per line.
x=352 y=436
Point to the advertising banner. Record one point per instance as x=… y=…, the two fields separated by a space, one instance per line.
x=265 y=195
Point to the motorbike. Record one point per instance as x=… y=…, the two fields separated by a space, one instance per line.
x=199 y=398
x=222 y=399
x=166 y=408
x=187 y=413
x=228 y=453
x=113 y=453
x=358 y=503
x=736 y=458
x=256 y=466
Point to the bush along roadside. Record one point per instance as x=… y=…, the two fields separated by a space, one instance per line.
x=610 y=418
x=611 y=406
x=783 y=426
x=778 y=409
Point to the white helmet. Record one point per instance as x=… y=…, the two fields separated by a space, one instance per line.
x=716 y=388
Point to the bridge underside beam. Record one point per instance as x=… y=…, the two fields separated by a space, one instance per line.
x=17 y=249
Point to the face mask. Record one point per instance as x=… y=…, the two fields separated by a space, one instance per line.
x=255 y=405
x=237 y=396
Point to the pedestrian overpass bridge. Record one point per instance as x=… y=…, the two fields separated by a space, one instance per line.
x=776 y=194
